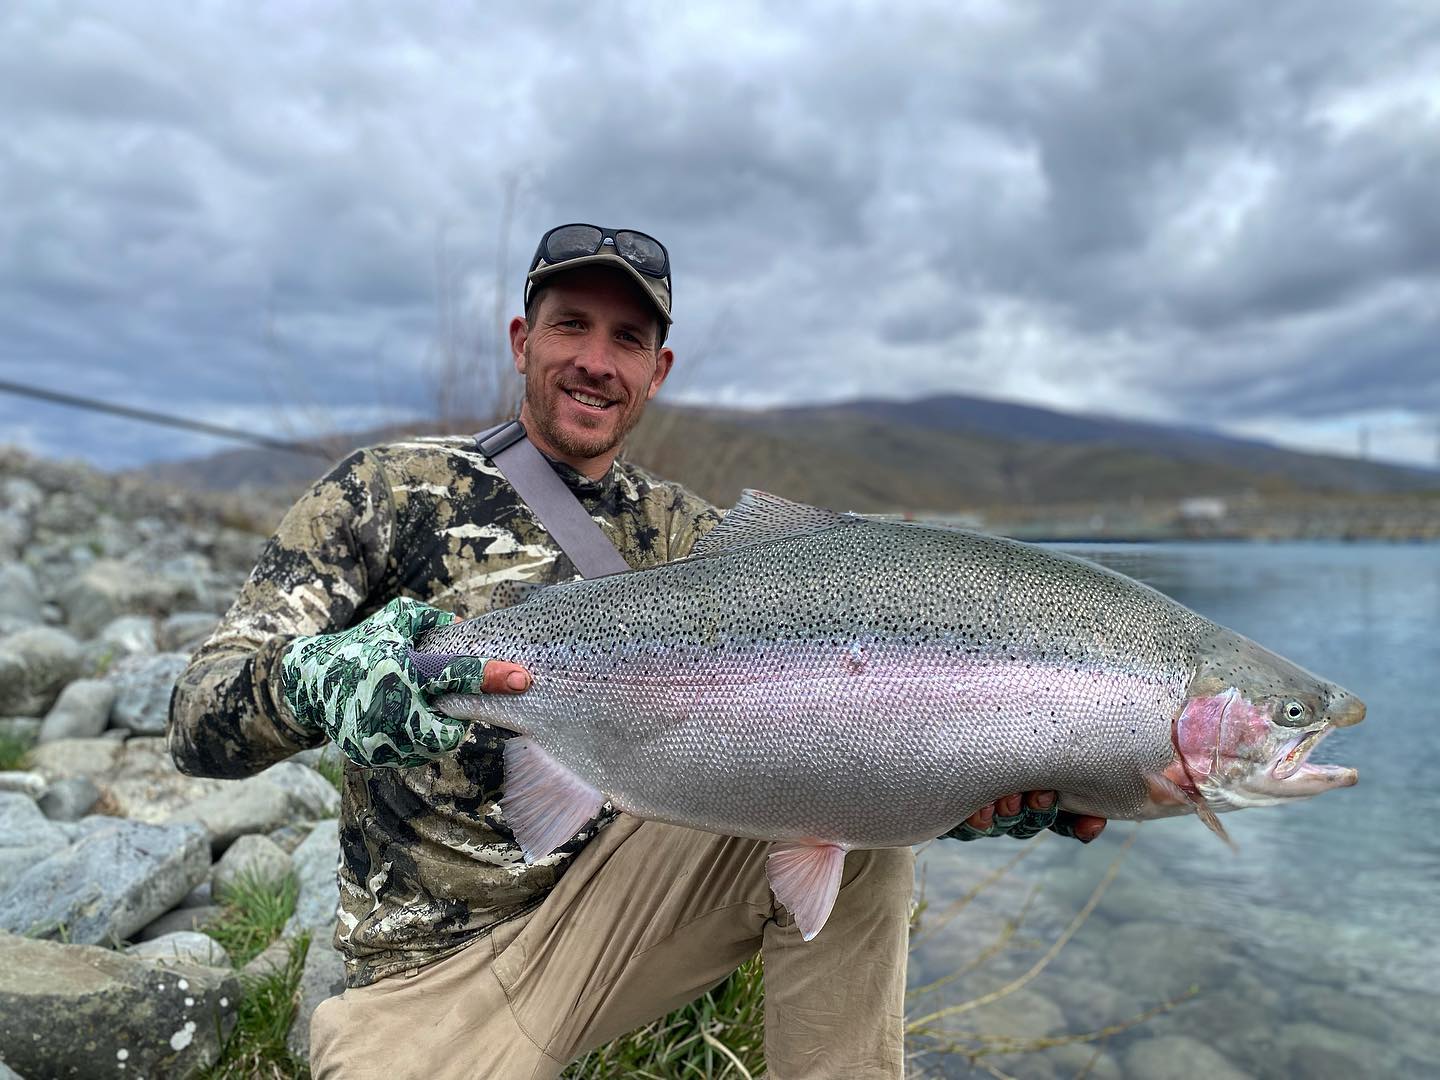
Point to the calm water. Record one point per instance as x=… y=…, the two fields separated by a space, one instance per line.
x=1316 y=949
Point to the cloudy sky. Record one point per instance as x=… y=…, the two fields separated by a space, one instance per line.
x=295 y=216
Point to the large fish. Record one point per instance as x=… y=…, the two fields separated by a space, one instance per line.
x=828 y=682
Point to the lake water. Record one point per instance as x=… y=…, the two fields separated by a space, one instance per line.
x=1314 y=951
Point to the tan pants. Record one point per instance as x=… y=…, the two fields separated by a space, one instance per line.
x=648 y=918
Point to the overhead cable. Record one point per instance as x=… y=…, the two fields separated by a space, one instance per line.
x=149 y=416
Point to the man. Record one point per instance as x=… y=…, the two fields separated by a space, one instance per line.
x=461 y=959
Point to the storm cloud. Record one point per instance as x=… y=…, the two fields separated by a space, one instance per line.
x=289 y=216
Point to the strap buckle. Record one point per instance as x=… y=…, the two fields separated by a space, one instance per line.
x=504 y=437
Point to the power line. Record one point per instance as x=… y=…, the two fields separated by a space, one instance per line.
x=148 y=416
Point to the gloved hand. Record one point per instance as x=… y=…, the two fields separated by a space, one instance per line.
x=362 y=688
x=1024 y=818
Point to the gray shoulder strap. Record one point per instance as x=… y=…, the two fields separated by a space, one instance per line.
x=537 y=483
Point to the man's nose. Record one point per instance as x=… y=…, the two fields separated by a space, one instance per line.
x=594 y=359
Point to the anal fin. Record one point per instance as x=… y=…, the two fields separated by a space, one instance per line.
x=805 y=878
x=544 y=803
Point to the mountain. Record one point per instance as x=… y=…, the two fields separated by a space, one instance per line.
x=1012 y=421
x=941 y=454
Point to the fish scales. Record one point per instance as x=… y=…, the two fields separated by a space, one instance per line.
x=867 y=683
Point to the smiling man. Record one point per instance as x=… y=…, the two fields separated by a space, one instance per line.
x=463 y=960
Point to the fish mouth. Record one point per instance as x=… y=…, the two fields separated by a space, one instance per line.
x=1291 y=772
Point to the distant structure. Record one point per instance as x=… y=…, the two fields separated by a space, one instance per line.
x=1203 y=508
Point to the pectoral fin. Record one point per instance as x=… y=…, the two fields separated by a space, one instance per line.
x=805 y=878
x=544 y=803
x=1164 y=790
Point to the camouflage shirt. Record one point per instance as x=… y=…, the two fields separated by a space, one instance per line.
x=427 y=864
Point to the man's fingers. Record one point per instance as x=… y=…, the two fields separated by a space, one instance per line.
x=502 y=677
x=1088 y=828
x=1083 y=827
x=1009 y=806
x=983 y=818
x=1040 y=800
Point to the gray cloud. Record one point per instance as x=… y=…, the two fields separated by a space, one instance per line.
x=1210 y=211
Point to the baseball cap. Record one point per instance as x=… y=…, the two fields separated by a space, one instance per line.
x=567 y=247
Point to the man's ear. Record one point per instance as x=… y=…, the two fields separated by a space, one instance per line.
x=664 y=360
x=519 y=334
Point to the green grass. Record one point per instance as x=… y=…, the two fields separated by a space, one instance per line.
x=720 y=1035
x=14 y=751
x=255 y=913
x=331 y=765
x=256 y=1046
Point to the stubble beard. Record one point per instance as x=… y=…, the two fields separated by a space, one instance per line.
x=570 y=441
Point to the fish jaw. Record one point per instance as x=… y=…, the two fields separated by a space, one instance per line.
x=1233 y=752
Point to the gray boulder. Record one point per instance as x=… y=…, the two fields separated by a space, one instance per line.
x=323 y=977
x=311 y=794
x=70 y=799
x=19 y=782
x=181 y=947
x=142 y=691
x=181 y=920
x=94 y=758
x=13 y=624
x=74 y=1010
x=144 y=784
x=260 y=804
x=34 y=665
x=186 y=630
x=319 y=894
x=129 y=635
x=68 y=513
x=20 y=593
x=289 y=837
x=200 y=896
x=104 y=591
x=26 y=836
x=253 y=858
x=155 y=580
x=116 y=878
x=272 y=960
x=21 y=495
x=81 y=712
x=14 y=530
x=1178 y=1057
x=1159 y=960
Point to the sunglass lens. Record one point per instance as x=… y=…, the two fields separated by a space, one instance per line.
x=641 y=250
x=572 y=242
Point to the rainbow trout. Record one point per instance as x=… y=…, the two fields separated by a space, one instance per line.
x=826 y=682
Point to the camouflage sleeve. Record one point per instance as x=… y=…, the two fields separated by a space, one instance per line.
x=691 y=517
x=228 y=715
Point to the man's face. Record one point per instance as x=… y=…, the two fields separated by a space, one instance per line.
x=590 y=364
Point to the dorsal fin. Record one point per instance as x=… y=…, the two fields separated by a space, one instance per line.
x=760 y=516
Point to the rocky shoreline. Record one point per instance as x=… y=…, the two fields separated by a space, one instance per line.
x=111 y=860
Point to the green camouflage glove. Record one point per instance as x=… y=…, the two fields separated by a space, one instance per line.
x=1021 y=826
x=361 y=686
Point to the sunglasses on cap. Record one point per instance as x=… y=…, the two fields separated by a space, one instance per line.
x=566 y=242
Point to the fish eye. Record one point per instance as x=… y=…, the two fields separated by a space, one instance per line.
x=1295 y=711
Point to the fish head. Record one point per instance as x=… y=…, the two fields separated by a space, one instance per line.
x=1248 y=724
